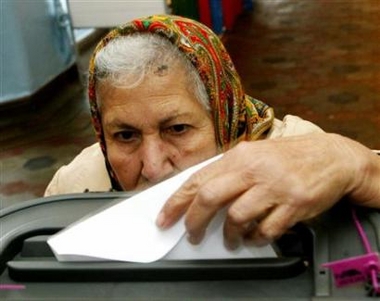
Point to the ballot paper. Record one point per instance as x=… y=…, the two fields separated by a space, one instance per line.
x=127 y=231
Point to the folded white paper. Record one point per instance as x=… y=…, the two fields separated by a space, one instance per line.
x=127 y=232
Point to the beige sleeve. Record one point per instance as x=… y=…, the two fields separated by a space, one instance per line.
x=86 y=172
x=292 y=126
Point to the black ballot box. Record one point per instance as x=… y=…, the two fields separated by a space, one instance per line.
x=29 y=270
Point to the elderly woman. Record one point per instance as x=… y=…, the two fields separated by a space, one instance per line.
x=165 y=95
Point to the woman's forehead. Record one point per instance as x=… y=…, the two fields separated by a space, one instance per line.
x=156 y=95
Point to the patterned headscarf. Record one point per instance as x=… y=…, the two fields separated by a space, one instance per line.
x=236 y=115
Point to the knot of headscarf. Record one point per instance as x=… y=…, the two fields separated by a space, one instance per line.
x=236 y=115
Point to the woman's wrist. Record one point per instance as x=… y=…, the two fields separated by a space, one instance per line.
x=373 y=184
x=363 y=173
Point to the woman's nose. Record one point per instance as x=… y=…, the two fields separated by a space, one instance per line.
x=156 y=160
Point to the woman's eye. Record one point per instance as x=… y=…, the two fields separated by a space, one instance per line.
x=178 y=128
x=126 y=135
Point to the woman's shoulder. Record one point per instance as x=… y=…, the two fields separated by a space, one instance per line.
x=291 y=126
x=86 y=172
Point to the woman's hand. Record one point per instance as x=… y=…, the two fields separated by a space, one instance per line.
x=270 y=185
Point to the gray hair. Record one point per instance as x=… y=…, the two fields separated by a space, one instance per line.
x=125 y=62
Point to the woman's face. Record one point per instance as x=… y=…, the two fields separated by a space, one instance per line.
x=155 y=130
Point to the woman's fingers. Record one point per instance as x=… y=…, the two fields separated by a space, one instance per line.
x=244 y=214
x=265 y=211
x=177 y=204
x=211 y=197
x=180 y=201
x=202 y=196
x=261 y=231
x=273 y=226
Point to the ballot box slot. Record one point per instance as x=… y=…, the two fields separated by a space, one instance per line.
x=36 y=262
x=43 y=269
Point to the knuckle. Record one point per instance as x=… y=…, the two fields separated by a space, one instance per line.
x=271 y=231
x=264 y=235
x=236 y=216
x=192 y=184
x=176 y=201
x=173 y=207
x=207 y=196
x=248 y=176
x=300 y=196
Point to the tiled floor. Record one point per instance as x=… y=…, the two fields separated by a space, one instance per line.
x=318 y=59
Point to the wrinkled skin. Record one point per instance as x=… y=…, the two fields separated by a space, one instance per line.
x=155 y=130
x=270 y=185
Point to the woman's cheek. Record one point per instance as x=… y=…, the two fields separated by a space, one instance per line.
x=125 y=168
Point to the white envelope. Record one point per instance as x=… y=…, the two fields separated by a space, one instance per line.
x=127 y=232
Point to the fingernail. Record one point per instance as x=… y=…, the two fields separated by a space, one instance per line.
x=232 y=244
x=260 y=241
x=195 y=239
x=160 y=222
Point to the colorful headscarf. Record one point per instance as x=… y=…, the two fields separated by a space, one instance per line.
x=236 y=115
